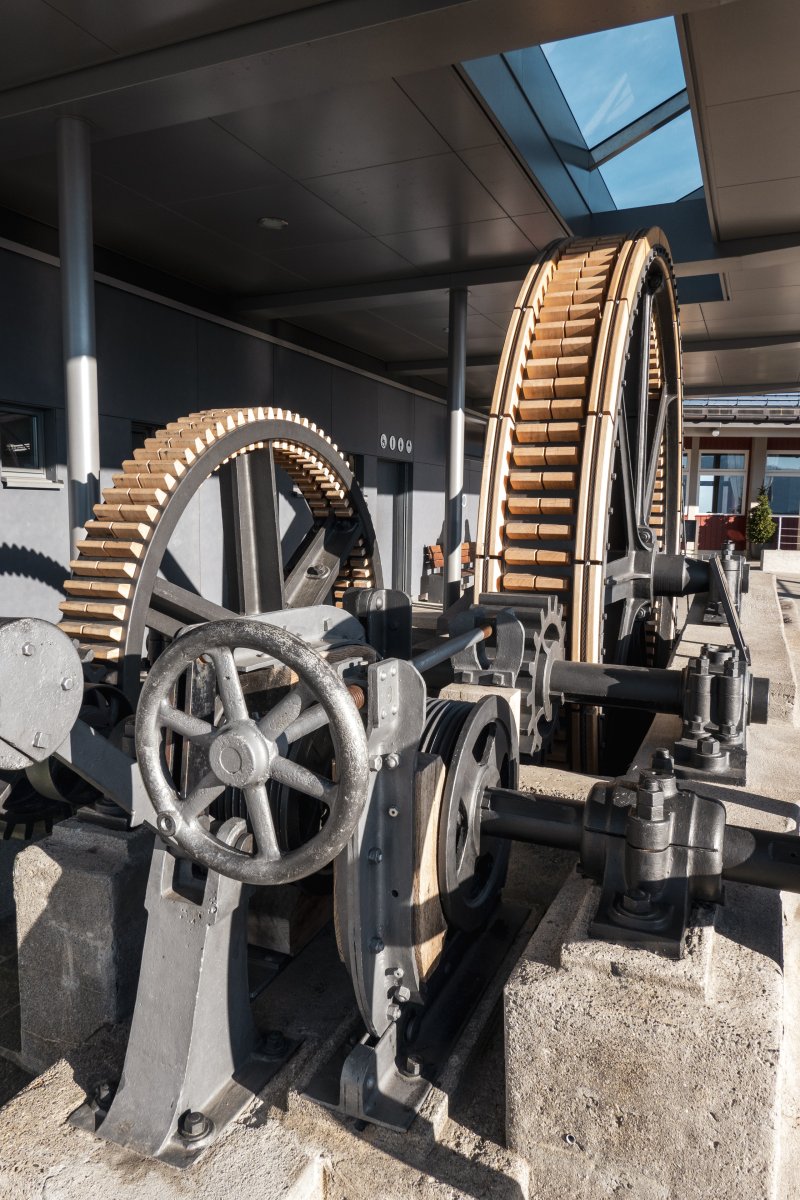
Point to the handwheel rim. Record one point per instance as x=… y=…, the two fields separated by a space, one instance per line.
x=349 y=737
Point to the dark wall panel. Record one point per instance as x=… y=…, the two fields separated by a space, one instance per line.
x=146 y=358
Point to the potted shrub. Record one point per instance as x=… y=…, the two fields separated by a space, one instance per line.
x=760 y=525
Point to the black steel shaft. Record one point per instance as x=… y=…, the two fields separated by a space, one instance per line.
x=753 y=856
x=651 y=689
x=678 y=575
x=762 y=858
x=543 y=820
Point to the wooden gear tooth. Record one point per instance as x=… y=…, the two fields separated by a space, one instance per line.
x=102 y=592
x=546 y=476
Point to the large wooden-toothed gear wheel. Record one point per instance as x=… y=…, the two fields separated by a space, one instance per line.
x=582 y=466
x=113 y=594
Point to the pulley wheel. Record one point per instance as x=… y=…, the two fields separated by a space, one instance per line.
x=472 y=866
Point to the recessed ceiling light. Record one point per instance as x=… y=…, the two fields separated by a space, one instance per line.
x=272 y=222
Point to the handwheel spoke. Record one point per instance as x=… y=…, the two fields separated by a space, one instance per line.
x=300 y=779
x=228 y=684
x=200 y=732
x=308 y=722
x=261 y=820
x=206 y=792
x=284 y=713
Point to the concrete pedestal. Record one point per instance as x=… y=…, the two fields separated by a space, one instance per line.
x=80 y=927
x=630 y=1072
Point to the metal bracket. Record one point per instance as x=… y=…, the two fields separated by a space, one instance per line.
x=473 y=664
x=385 y=614
x=193 y=1049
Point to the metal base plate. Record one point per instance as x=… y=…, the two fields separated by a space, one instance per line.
x=234 y=1097
x=364 y=1079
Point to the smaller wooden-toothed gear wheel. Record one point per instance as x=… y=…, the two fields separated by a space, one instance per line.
x=117 y=594
x=581 y=484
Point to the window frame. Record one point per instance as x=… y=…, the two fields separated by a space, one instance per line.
x=793 y=473
x=44 y=476
x=715 y=472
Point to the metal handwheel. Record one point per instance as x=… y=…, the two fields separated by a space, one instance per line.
x=246 y=753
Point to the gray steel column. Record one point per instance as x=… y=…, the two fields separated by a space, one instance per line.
x=456 y=394
x=77 y=308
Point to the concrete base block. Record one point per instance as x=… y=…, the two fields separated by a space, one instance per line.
x=80 y=928
x=8 y=855
x=777 y=561
x=628 y=1071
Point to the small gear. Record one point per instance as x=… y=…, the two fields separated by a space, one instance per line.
x=549 y=637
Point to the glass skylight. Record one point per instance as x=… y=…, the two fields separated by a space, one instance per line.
x=659 y=169
x=613 y=77
x=608 y=124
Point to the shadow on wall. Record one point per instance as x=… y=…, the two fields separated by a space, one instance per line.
x=22 y=562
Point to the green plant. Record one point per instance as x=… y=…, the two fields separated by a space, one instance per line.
x=760 y=525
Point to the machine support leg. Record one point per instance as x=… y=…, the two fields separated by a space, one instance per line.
x=456 y=393
x=77 y=303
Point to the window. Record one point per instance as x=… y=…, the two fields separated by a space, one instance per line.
x=722 y=480
x=684 y=479
x=782 y=483
x=22 y=448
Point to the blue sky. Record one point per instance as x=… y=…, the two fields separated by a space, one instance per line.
x=611 y=78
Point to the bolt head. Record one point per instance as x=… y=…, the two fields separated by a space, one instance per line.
x=275 y=1043
x=375 y=855
x=194 y=1125
x=662 y=762
x=28 y=649
x=376 y=944
x=413 y=1064
x=392 y=761
x=375 y=763
x=708 y=745
x=402 y=995
x=394 y=1012
x=67 y=684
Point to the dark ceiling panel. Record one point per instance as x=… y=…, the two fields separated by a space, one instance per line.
x=449 y=105
x=236 y=215
x=342 y=262
x=158 y=236
x=455 y=246
x=422 y=194
x=493 y=298
x=37 y=42
x=344 y=130
x=133 y=27
x=541 y=228
x=367 y=332
x=504 y=178
x=183 y=162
